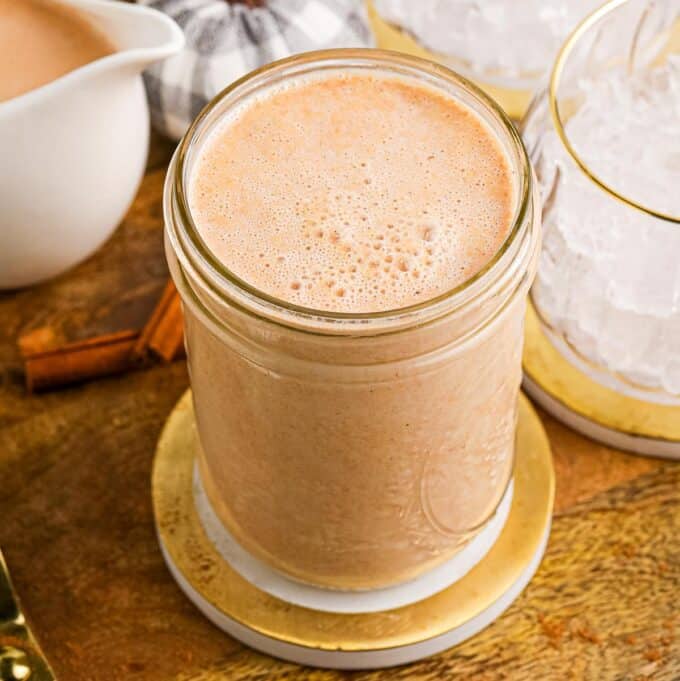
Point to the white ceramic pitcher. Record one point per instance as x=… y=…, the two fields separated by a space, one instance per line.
x=72 y=152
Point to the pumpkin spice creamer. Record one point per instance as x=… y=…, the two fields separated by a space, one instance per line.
x=353 y=234
x=40 y=41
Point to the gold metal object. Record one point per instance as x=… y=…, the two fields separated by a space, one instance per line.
x=20 y=656
x=197 y=559
x=563 y=382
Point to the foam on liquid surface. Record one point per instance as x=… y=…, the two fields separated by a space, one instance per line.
x=353 y=193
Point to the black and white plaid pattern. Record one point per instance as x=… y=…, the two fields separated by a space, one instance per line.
x=224 y=41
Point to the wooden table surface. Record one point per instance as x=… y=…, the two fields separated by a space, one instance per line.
x=77 y=530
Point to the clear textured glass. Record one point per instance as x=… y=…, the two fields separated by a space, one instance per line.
x=354 y=450
x=502 y=45
x=605 y=142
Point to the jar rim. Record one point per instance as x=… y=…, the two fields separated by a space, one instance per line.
x=563 y=55
x=349 y=57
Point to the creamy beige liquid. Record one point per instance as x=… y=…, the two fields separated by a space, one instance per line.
x=41 y=40
x=353 y=194
x=361 y=461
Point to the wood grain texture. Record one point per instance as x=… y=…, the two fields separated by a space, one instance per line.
x=77 y=528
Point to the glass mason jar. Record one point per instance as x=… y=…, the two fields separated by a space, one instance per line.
x=505 y=47
x=605 y=142
x=353 y=451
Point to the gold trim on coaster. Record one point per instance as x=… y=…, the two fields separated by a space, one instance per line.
x=560 y=379
x=193 y=554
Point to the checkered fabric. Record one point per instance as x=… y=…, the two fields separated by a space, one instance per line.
x=224 y=41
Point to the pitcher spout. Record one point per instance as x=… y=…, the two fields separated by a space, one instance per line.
x=141 y=35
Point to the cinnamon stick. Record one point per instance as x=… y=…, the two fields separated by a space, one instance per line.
x=163 y=334
x=167 y=341
x=50 y=363
x=75 y=362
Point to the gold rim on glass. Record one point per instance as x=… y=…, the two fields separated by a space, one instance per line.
x=368 y=58
x=565 y=52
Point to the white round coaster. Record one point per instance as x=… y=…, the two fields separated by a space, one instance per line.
x=265 y=578
x=639 y=444
x=369 y=659
x=350 y=640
